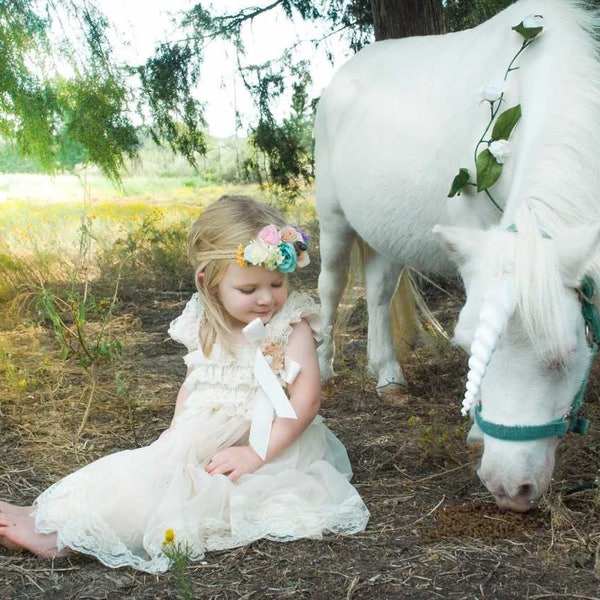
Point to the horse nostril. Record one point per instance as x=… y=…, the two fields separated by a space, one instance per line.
x=525 y=491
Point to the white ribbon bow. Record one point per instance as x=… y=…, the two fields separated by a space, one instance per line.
x=270 y=396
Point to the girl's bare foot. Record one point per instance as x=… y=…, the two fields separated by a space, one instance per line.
x=18 y=532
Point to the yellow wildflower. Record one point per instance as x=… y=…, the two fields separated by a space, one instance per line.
x=22 y=384
x=169 y=537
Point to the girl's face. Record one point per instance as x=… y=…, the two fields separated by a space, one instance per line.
x=249 y=292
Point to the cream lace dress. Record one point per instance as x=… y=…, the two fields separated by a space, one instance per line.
x=119 y=507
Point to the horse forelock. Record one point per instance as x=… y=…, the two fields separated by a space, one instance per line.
x=540 y=287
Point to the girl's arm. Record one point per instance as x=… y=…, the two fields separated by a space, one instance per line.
x=305 y=397
x=304 y=393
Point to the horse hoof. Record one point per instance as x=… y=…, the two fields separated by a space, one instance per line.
x=393 y=393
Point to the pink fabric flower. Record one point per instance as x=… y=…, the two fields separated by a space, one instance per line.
x=270 y=235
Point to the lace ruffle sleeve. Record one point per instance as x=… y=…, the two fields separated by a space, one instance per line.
x=185 y=328
x=297 y=307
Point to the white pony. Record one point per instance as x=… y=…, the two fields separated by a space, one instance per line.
x=392 y=130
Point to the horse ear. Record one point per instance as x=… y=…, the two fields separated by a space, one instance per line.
x=459 y=243
x=577 y=247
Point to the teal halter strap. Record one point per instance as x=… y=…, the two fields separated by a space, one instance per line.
x=571 y=421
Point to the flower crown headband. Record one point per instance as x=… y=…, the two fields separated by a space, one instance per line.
x=276 y=249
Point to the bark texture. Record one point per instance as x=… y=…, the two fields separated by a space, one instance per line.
x=405 y=18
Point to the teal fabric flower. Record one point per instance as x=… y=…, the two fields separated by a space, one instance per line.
x=288 y=252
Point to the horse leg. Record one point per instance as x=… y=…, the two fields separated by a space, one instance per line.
x=336 y=239
x=381 y=278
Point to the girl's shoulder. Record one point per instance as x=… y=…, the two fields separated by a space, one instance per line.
x=185 y=329
x=298 y=306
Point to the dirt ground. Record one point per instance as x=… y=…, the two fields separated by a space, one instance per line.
x=434 y=530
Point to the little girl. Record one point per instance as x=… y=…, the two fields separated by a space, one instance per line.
x=241 y=459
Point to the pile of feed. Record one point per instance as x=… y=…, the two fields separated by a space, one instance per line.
x=475 y=520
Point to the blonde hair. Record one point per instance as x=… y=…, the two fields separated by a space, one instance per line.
x=212 y=246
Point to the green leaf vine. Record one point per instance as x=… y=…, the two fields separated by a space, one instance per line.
x=489 y=162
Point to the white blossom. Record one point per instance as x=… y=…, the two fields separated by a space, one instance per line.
x=533 y=22
x=500 y=150
x=256 y=252
x=493 y=90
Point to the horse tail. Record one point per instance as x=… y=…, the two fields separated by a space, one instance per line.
x=413 y=323
x=406 y=305
x=354 y=290
x=407 y=330
x=426 y=329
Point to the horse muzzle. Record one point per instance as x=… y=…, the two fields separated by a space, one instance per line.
x=518 y=496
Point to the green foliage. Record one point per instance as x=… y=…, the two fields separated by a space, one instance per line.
x=94 y=109
x=167 y=81
x=438 y=440
x=354 y=19
x=78 y=320
x=224 y=162
x=527 y=33
x=152 y=252
x=459 y=182
x=179 y=555
x=487 y=166
x=488 y=170
x=61 y=122
x=281 y=149
x=464 y=14
x=506 y=122
x=12 y=161
x=69 y=319
x=9 y=371
x=287 y=146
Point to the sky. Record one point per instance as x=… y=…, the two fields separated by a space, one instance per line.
x=220 y=86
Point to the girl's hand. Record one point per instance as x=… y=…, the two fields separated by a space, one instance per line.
x=235 y=461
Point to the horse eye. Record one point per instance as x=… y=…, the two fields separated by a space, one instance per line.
x=558 y=364
x=554 y=365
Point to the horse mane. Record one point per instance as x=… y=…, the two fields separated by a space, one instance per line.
x=556 y=184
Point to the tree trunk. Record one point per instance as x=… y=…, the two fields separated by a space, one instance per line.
x=404 y=18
